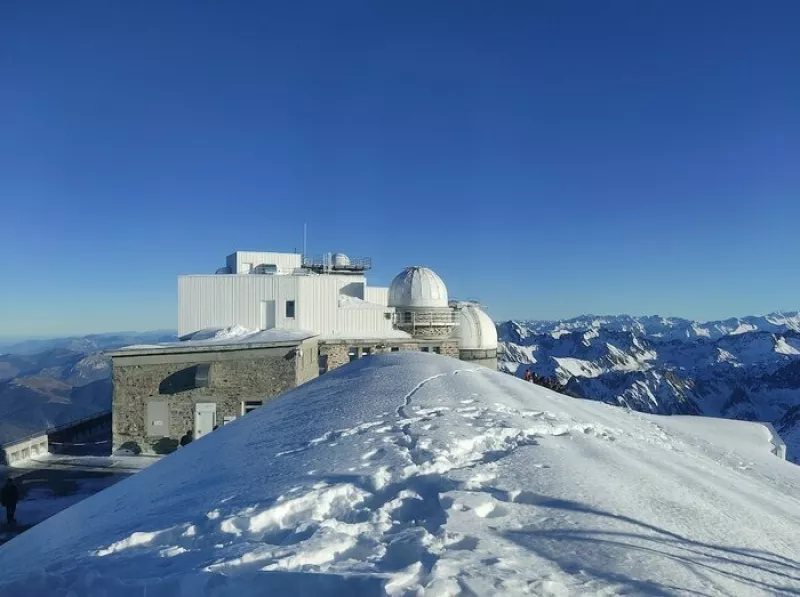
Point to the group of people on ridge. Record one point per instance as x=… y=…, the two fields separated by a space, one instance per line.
x=545 y=382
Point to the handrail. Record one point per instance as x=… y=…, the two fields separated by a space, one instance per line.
x=56 y=429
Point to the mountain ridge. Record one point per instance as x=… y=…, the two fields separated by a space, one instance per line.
x=741 y=368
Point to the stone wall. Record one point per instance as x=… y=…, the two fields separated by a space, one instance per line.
x=236 y=376
x=485 y=357
x=337 y=352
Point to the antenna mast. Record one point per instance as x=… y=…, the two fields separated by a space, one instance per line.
x=304 y=240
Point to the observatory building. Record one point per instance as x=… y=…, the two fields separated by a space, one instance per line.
x=303 y=316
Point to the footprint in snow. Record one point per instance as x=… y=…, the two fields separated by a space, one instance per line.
x=490 y=510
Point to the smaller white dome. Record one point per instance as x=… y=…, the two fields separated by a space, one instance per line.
x=340 y=260
x=418 y=287
x=475 y=330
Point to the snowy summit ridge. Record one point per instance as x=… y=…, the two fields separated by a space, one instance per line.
x=408 y=473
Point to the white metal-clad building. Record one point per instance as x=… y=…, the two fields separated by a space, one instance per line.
x=248 y=262
x=272 y=290
x=329 y=297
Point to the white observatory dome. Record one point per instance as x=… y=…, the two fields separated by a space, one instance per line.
x=476 y=330
x=340 y=260
x=418 y=287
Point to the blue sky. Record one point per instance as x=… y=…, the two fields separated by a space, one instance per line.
x=550 y=158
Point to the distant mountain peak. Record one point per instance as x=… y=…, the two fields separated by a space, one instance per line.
x=740 y=367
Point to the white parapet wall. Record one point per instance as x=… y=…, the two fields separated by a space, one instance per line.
x=778 y=445
x=17 y=452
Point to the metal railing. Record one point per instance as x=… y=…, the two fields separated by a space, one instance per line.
x=56 y=429
x=426 y=318
x=327 y=263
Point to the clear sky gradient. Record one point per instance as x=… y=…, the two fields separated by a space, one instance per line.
x=549 y=158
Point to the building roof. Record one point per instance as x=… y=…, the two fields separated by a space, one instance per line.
x=233 y=338
x=475 y=330
x=418 y=287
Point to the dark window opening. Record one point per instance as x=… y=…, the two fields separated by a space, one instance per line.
x=352 y=353
x=290 y=309
x=437 y=350
x=251 y=405
x=425 y=349
x=395 y=349
x=366 y=351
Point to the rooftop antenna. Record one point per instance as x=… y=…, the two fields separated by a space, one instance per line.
x=305 y=235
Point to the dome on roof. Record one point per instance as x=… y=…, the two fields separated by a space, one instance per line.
x=340 y=260
x=418 y=287
x=475 y=330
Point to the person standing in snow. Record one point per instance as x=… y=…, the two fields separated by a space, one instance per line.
x=9 y=498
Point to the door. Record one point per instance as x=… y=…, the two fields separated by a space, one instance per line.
x=267 y=315
x=158 y=418
x=205 y=418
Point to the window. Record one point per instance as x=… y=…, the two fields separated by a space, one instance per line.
x=437 y=349
x=425 y=349
x=290 y=309
x=323 y=363
x=250 y=405
x=395 y=349
x=352 y=352
x=366 y=351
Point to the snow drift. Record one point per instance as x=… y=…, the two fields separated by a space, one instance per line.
x=412 y=474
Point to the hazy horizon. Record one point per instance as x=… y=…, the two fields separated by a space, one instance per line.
x=546 y=159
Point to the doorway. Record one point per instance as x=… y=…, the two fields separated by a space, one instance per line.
x=267 y=315
x=205 y=418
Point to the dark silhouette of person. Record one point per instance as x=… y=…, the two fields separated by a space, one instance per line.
x=9 y=498
x=186 y=439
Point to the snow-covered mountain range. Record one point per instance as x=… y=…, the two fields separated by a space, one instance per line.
x=740 y=368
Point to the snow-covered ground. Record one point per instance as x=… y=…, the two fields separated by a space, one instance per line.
x=416 y=474
x=53 y=483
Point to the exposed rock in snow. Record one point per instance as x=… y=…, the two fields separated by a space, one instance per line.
x=783 y=347
x=411 y=474
x=746 y=368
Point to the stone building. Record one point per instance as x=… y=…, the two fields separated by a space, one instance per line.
x=163 y=392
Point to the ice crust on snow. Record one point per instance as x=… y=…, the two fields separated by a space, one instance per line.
x=415 y=474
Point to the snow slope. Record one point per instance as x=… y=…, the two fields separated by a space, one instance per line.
x=416 y=474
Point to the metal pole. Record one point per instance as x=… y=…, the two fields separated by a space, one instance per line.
x=304 y=240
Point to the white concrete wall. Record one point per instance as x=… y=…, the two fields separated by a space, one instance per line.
x=377 y=295
x=286 y=262
x=217 y=301
x=25 y=450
